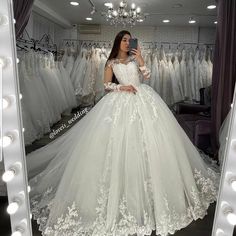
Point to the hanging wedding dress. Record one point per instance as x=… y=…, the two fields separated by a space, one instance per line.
x=155 y=77
x=209 y=71
x=175 y=91
x=89 y=79
x=203 y=68
x=198 y=83
x=67 y=86
x=80 y=73
x=178 y=75
x=190 y=75
x=183 y=72
x=99 y=87
x=166 y=80
x=76 y=64
x=127 y=167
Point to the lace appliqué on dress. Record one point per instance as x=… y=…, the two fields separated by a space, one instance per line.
x=72 y=224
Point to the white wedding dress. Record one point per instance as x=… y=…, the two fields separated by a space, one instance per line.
x=125 y=168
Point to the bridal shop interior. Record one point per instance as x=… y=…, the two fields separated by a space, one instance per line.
x=160 y=161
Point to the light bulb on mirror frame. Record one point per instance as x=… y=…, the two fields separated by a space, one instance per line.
x=3 y=20
x=230 y=215
x=8 y=175
x=11 y=172
x=233 y=184
x=13 y=207
x=5 y=102
x=220 y=232
x=6 y=140
x=18 y=232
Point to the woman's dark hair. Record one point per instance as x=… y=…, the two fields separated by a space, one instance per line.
x=115 y=49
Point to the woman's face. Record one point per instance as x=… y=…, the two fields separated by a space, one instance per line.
x=124 y=44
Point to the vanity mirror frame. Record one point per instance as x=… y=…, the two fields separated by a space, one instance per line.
x=12 y=141
x=14 y=153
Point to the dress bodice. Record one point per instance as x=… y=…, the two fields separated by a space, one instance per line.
x=126 y=73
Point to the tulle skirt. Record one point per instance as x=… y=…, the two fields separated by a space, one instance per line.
x=127 y=167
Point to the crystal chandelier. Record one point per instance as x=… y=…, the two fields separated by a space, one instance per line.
x=123 y=15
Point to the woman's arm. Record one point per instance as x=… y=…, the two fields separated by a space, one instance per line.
x=108 y=73
x=109 y=86
x=142 y=67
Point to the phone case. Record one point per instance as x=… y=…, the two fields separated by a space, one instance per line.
x=133 y=43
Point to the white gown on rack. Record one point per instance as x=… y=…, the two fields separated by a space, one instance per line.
x=80 y=72
x=175 y=91
x=190 y=76
x=198 y=83
x=127 y=167
x=155 y=77
x=209 y=71
x=99 y=87
x=178 y=75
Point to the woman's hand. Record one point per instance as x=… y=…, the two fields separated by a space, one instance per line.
x=128 y=88
x=138 y=56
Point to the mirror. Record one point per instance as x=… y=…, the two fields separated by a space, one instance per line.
x=121 y=160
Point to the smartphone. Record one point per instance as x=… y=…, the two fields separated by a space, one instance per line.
x=133 y=43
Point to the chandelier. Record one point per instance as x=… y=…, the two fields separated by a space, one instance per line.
x=123 y=15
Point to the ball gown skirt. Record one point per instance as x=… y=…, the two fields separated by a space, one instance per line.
x=125 y=168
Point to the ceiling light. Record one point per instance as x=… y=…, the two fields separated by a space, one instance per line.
x=74 y=3
x=211 y=7
x=138 y=10
x=89 y=18
x=215 y=22
x=178 y=5
x=191 y=21
x=108 y=4
x=124 y=14
x=166 y=21
x=140 y=20
x=133 y=6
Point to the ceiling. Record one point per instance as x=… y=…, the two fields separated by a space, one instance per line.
x=157 y=11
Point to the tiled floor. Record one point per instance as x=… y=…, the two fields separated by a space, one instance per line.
x=196 y=228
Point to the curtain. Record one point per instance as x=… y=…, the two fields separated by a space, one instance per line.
x=22 y=11
x=224 y=67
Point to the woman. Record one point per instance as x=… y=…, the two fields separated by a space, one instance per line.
x=126 y=168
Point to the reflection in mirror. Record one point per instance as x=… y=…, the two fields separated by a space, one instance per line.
x=119 y=144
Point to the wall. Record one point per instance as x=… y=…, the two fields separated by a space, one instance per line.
x=158 y=34
x=39 y=25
